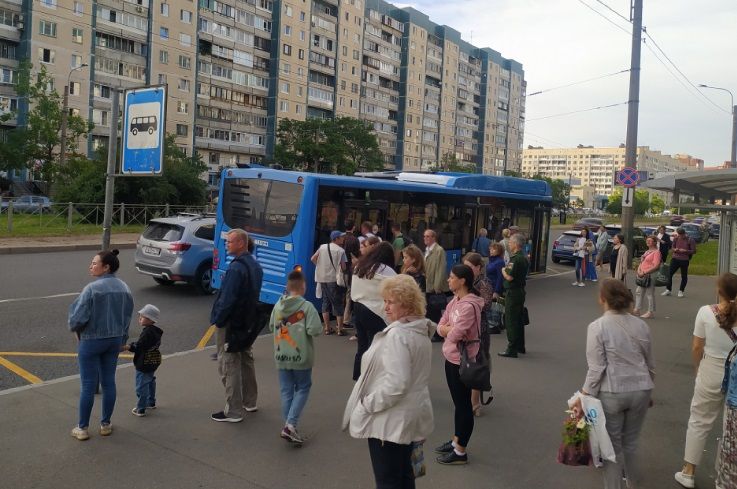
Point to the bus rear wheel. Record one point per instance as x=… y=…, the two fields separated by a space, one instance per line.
x=134 y=131
x=150 y=130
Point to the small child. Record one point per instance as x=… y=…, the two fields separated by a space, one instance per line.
x=294 y=322
x=146 y=358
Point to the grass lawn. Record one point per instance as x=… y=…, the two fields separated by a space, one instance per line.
x=704 y=262
x=54 y=225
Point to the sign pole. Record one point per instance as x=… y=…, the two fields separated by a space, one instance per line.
x=112 y=148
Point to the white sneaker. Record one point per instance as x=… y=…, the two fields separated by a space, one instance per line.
x=581 y=284
x=681 y=294
x=685 y=480
x=80 y=434
x=574 y=284
x=666 y=292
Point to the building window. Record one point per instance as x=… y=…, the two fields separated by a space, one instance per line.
x=74 y=88
x=287 y=49
x=182 y=107
x=285 y=87
x=298 y=108
x=78 y=8
x=163 y=33
x=46 y=28
x=164 y=57
x=288 y=10
x=185 y=62
x=46 y=55
x=287 y=30
x=185 y=39
x=301 y=35
x=49 y=3
x=77 y=35
x=283 y=106
x=162 y=79
x=301 y=16
x=183 y=85
x=182 y=129
x=185 y=16
x=165 y=10
x=76 y=60
x=301 y=54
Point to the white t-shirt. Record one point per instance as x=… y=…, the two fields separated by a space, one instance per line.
x=718 y=343
x=580 y=244
x=324 y=271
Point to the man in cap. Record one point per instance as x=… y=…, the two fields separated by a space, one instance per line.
x=330 y=267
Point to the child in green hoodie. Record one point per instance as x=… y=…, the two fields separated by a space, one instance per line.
x=294 y=322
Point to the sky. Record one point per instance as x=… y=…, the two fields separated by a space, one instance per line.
x=560 y=42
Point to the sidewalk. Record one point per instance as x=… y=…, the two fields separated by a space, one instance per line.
x=47 y=244
x=513 y=446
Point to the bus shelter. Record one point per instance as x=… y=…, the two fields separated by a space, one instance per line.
x=707 y=187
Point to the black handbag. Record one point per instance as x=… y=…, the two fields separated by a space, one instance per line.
x=475 y=374
x=643 y=281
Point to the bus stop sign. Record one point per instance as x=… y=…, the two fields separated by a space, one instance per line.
x=143 y=130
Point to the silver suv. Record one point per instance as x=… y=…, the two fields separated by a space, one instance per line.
x=178 y=249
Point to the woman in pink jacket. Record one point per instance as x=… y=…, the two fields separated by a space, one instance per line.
x=461 y=322
x=649 y=264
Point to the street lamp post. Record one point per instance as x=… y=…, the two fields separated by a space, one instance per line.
x=65 y=115
x=733 y=152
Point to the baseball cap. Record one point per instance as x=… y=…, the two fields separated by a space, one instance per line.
x=151 y=312
x=335 y=235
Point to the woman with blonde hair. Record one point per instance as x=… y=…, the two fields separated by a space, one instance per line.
x=506 y=233
x=413 y=264
x=710 y=347
x=390 y=403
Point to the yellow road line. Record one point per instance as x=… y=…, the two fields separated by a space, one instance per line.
x=50 y=354
x=206 y=337
x=20 y=371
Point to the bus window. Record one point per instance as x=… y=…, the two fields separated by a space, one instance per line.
x=261 y=206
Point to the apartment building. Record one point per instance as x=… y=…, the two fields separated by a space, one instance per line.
x=594 y=166
x=235 y=68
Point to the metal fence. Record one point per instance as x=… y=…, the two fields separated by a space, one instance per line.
x=75 y=215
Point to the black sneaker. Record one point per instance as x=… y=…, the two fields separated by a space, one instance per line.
x=223 y=418
x=452 y=458
x=446 y=447
x=495 y=330
x=138 y=412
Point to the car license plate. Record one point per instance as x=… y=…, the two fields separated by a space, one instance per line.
x=564 y=247
x=151 y=251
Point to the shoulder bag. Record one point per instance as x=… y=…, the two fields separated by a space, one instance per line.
x=645 y=280
x=475 y=374
x=339 y=274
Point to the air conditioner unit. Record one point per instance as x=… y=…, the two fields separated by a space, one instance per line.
x=139 y=9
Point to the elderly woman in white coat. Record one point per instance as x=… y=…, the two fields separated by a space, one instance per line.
x=390 y=403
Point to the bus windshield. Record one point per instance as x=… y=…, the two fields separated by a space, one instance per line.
x=266 y=207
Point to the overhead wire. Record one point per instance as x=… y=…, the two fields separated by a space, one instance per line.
x=563 y=114
x=578 y=82
x=605 y=17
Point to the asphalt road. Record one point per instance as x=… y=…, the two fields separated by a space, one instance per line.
x=37 y=289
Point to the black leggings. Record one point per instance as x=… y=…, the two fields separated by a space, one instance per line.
x=367 y=325
x=392 y=464
x=462 y=401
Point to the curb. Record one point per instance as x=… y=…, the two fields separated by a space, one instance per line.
x=17 y=250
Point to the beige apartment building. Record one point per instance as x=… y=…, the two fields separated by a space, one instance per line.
x=235 y=68
x=594 y=166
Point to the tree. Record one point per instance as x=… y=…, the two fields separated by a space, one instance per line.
x=641 y=202
x=341 y=146
x=37 y=144
x=83 y=180
x=560 y=190
x=657 y=205
x=449 y=163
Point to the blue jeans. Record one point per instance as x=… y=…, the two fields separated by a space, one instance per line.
x=145 y=390
x=98 y=358
x=295 y=388
x=579 y=275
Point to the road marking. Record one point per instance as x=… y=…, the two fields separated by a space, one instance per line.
x=20 y=371
x=206 y=337
x=55 y=296
x=49 y=354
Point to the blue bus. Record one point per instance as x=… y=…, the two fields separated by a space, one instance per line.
x=289 y=214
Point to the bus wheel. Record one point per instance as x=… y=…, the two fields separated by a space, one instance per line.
x=202 y=279
x=150 y=130
x=134 y=131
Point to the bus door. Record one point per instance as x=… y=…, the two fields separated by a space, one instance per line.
x=540 y=234
x=481 y=214
x=375 y=212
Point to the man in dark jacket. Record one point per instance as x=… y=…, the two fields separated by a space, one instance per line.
x=235 y=316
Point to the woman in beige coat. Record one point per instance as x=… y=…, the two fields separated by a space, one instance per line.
x=618 y=258
x=390 y=403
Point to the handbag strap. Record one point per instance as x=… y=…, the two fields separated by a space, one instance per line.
x=330 y=255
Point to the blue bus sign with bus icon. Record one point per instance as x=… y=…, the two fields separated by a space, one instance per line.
x=143 y=131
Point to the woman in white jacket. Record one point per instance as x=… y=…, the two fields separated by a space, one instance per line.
x=390 y=403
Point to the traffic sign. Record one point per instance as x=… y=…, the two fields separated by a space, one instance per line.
x=144 y=116
x=628 y=177
x=628 y=197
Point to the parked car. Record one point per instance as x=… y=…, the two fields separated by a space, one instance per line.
x=592 y=223
x=178 y=249
x=563 y=246
x=677 y=220
x=32 y=204
x=638 y=240
x=648 y=230
x=714 y=230
x=696 y=231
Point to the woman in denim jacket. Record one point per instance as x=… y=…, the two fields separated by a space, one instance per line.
x=727 y=456
x=100 y=317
